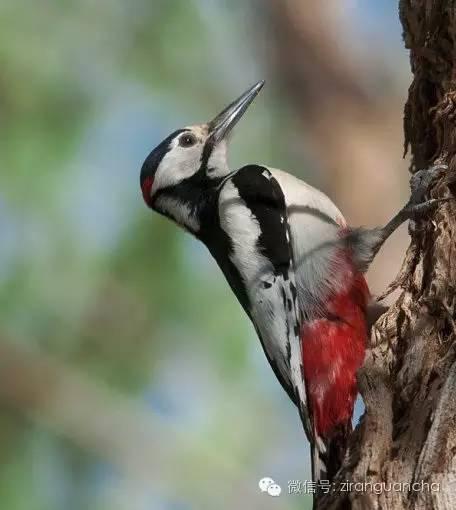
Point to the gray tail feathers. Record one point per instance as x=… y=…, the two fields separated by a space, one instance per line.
x=327 y=455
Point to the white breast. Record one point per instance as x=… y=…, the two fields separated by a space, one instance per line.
x=315 y=225
x=266 y=301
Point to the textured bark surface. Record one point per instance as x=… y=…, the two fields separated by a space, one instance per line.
x=408 y=382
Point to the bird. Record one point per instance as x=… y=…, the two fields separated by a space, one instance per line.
x=295 y=265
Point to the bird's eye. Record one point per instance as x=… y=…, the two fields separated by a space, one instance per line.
x=187 y=140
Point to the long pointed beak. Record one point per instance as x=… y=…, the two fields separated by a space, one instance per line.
x=229 y=117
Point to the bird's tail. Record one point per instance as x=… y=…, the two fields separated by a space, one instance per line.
x=319 y=458
x=328 y=454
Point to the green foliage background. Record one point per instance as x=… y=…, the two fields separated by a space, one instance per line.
x=93 y=280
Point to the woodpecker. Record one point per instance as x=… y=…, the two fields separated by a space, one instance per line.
x=290 y=258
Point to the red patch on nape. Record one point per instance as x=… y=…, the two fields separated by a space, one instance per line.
x=146 y=188
x=333 y=350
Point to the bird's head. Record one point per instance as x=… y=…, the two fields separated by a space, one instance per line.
x=180 y=172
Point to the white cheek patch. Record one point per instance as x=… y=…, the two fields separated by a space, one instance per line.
x=179 y=164
x=217 y=164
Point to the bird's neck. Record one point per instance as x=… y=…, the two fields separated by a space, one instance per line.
x=206 y=206
x=192 y=205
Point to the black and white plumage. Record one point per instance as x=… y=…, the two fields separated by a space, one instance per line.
x=252 y=213
x=290 y=259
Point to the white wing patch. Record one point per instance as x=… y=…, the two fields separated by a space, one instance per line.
x=272 y=297
x=257 y=273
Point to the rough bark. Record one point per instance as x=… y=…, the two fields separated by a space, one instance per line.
x=408 y=382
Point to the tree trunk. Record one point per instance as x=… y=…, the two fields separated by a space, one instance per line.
x=403 y=453
x=406 y=441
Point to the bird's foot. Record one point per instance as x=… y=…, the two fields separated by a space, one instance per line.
x=420 y=182
x=416 y=211
x=367 y=242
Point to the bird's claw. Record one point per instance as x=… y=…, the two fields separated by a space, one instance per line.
x=415 y=211
x=421 y=181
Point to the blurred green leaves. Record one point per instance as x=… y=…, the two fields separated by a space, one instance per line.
x=129 y=306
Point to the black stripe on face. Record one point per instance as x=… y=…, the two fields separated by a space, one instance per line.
x=156 y=156
x=207 y=151
x=199 y=191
